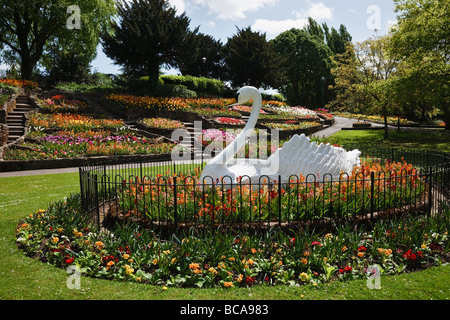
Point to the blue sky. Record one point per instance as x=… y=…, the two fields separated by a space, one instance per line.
x=219 y=18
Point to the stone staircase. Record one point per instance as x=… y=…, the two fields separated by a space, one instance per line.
x=16 y=119
x=194 y=147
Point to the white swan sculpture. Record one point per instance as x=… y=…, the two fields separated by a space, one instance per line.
x=298 y=156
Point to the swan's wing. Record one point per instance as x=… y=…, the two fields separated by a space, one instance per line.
x=301 y=156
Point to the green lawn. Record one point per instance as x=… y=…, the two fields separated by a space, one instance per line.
x=424 y=139
x=24 y=278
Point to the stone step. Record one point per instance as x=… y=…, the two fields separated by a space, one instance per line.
x=13 y=115
x=14 y=123
x=22 y=111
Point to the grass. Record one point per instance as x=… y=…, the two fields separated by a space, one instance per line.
x=24 y=278
x=423 y=139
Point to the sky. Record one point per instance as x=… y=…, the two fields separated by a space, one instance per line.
x=221 y=18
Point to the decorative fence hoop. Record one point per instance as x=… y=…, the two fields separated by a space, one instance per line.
x=167 y=197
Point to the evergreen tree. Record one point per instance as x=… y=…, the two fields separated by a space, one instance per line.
x=204 y=58
x=305 y=67
x=250 y=59
x=149 y=35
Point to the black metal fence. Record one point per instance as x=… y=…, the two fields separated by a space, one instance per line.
x=167 y=195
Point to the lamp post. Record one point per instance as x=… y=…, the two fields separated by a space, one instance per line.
x=203 y=66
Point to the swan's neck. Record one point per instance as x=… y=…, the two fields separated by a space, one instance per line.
x=230 y=151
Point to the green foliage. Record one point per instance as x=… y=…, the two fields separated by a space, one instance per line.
x=421 y=39
x=204 y=57
x=198 y=84
x=305 y=60
x=250 y=59
x=149 y=35
x=29 y=29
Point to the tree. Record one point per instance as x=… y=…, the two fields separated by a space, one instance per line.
x=348 y=78
x=365 y=80
x=204 y=58
x=421 y=40
x=250 y=59
x=149 y=35
x=29 y=27
x=305 y=67
x=337 y=40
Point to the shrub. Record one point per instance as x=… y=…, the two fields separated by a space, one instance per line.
x=198 y=84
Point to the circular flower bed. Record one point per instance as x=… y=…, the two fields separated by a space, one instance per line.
x=62 y=236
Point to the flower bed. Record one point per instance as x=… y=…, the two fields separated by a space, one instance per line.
x=148 y=103
x=61 y=104
x=233 y=122
x=39 y=121
x=163 y=123
x=298 y=112
x=303 y=198
x=75 y=144
x=219 y=137
x=213 y=113
x=20 y=83
x=62 y=236
x=246 y=110
x=289 y=128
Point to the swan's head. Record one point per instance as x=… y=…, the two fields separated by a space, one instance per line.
x=245 y=94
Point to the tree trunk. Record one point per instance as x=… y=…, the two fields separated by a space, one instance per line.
x=26 y=68
x=153 y=72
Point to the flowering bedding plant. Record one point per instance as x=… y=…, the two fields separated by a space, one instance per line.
x=151 y=103
x=290 y=126
x=70 y=122
x=324 y=113
x=60 y=104
x=303 y=197
x=163 y=123
x=217 y=136
x=230 y=121
x=73 y=144
x=299 y=112
x=62 y=235
x=20 y=83
x=246 y=109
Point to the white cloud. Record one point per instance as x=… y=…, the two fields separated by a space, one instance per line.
x=274 y=27
x=317 y=11
x=391 y=23
x=233 y=9
x=179 y=5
